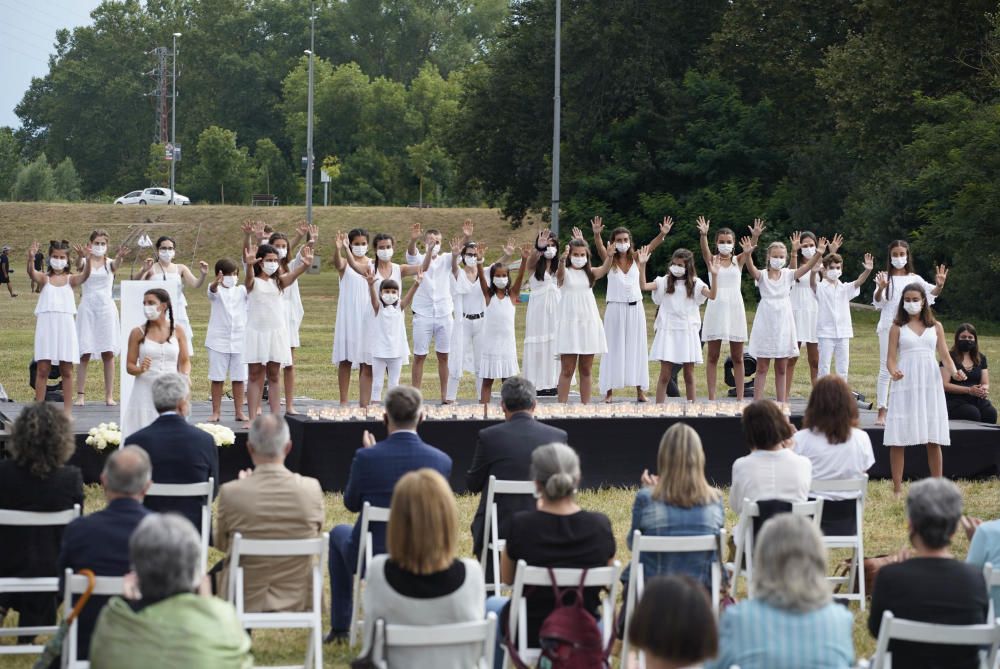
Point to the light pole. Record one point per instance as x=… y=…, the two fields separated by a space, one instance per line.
x=173 y=122
x=556 y=112
x=309 y=126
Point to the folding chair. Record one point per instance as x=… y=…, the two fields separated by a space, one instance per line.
x=992 y=579
x=36 y=584
x=984 y=636
x=812 y=508
x=311 y=619
x=603 y=577
x=854 y=542
x=73 y=585
x=480 y=632
x=369 y=514
x=493 y=544
x=637 y=579
x=206 y=490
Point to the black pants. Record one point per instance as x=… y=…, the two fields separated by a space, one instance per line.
x=971 y=408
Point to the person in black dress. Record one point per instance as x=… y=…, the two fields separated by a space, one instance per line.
x=969 y=399
x=5 y=270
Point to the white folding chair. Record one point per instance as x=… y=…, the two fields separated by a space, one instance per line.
x=602 y=577
x=637 y=579
x=855 y=542
x=310 y=619
x=480 y=632
x=37 y=584
x=369 y=514
x=493 y=543
x=74 y=585
x=992 y=579
x=985 y=636
x=745 y=548
x=206 y=490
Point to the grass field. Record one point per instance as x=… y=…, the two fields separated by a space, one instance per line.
x=215 y=232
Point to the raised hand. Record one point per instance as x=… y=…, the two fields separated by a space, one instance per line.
x=747 y=244
x=468 y=228
x=577 y=234
x=713 y=265
x=596 y=225
x=821 y=246
x=838 y=241
x=313 y=231
x=250 y=255
x=123 y=252
x=565 y=253
x=341 y=238
x=218 y=279
x=480 y=253
x=81 y=251
x=456 y=245
x=304 y=228
x=702 y=224
x=667 y=224
x=868 y=262
x=414 y=233
x=258 y=231
x=526 y=251
x=940 y=276
x=543 y=237
x=147 y=264
x=419 y=277
x=247 y=227
x=610 y=248
x=643 y=256
x=796 y=240
x=510 y=247
x=307 y=255
x=203 y=267
x=33 y=249
x=371 y=277
x=758 y=228
x=882 y=280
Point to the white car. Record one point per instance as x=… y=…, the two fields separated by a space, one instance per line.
x=153 y=195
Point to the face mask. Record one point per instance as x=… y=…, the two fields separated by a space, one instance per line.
x=57 y=264
x=833 y=274
x=384 y=254
x=550 y=252
x=99 y=250
x=621 y=247
x=359 y=249
x=270 y=267
x=470 y=261
x=678 y=270
x=808 y=252
x=500 y=282
x=913 y=308
x=436 y=249
x=282 y=252
x=228 y=281
x=151 y=311
x=965 y=345
x=899 y=262
x=777 y=263
x=390 y=298
x=578 y=261
x=725 y=249
x=166 y=255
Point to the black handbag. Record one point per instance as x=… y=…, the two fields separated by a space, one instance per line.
x=367 y=660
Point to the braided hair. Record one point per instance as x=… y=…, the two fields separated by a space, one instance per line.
x=164 y=298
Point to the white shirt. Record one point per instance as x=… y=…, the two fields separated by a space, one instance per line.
x=433 y=296
x=833 y=320
x=781 y=474
x=227 y=319
x=889 y=304
x=831 y=462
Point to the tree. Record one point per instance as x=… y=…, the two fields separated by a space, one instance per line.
x=273 y=174
x=157 y=168
x=220 y=164
x=66 y=181
x=34 y=182
x=10 y=161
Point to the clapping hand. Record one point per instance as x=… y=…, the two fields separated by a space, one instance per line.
x=648 y=480
x=418 y=277
x=123 y=252
x=367 y=439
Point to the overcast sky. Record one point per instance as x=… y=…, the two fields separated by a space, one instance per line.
x=27 y=33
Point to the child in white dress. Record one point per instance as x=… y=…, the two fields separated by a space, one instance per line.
x=917 y=412
x=227 y=323
x=55 y=328
x=498 y=356
x=773 y=336
x=540 y=363
x=389 y=346
x=352 y=302
x=164 y=268
x=678 y=320
x=834 y=328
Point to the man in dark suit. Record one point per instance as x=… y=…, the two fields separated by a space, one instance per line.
x=374 y=472
x=179 y=453
x=504 y=451
x=100 y=541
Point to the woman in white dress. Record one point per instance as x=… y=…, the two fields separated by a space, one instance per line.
x=165 y=269
x=349 y=348
x=580 y=335
x=540 y=363
x=498 y=354
x=266 y=347
x=917 y=412
x=156 y=348
x=626 y=363
x=97 y=326
x=773 y=336
x=470 y=316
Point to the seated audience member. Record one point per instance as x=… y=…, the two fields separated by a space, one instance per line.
x=557 y=534
x=504 y=451
x=374 y=472
x=99 y=541
x=420 y=581
x=673 y=624
x=270 y=502
x=179 y=452
x=792 y=622
x=679 y=502
x=176 y=623
x=969 y=399
x=36 y=478
x=984 y=546
x=932 y=586
x=836 y=448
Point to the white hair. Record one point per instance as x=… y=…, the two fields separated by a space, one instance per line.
x=268 y=435
x=557 y=468
x=169 y=390
x=165 y=552
x=789 y=565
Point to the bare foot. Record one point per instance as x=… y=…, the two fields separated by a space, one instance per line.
x=880 y=419
x=14 y=295
x=241 y=419
x=246 y=425
x=640 y=395
x=444 y=402
x=291 y=412
x=214 y=418
x=110 y=402
x=80 y=400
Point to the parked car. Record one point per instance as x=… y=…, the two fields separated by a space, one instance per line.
x=153 y=195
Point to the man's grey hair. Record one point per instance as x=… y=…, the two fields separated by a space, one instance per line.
x=268 y=435
x=934 y=507
x=403 y=404
x=169 y=390
x=789 y=565
x=127 y=471
x=165 y=552
x=517 y=394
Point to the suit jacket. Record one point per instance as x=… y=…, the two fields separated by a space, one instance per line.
x=99 y=542
x=273 y=503
x=179 y=453
x=374 y=473
x=504 y=451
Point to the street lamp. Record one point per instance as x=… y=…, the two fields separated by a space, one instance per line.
x=556 y=104
x=173 y=122
x=309 y=127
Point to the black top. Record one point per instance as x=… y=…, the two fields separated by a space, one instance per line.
x=4 y=266
x=974 y=376
x=425 y=586
x=39 y=261
x=583 y=539
x=932 y=590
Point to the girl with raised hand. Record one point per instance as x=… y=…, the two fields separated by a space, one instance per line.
x=349 y=326
x=164 y=268
x=389 y=347
x=540 y=362
x=498 y=357
x=805 y=308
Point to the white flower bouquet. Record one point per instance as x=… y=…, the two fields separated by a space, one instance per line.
x=104 y=436
x=222 y=435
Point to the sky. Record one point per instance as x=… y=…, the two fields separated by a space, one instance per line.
x=27 y=33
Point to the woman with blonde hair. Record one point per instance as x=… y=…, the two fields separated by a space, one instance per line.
x=420 y=581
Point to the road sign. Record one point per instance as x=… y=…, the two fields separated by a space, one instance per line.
x=177 y=153
x=168 y=151
x=324 y=177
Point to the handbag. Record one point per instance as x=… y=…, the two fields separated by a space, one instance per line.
x=367 y=661
x=870 y=566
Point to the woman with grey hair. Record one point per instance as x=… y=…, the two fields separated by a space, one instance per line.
x=932 y=586
x=792 y=622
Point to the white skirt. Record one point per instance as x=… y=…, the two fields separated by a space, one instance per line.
x=676 y=346
x=626 y=363
x=97 y=327
x=805 y=325
x=917 y=411
x=55 y=337
x=773 y=334
x=264 y=346
x=725 y=320
x=498 y=366
x=541 y=361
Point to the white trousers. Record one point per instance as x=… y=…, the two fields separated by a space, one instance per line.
x=882 y=385
x=379 y=368
x=834 y=348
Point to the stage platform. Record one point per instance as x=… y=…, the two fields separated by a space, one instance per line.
x=613 y=451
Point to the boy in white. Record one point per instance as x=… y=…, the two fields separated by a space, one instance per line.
x=224 y=340
x=834 y=327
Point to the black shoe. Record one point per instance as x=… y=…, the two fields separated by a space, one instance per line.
x=336 y=636
x=547 y=392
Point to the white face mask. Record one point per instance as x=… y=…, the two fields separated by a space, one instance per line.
x=470 y=261
x=384 y=254
x=390 y=298
x=282 y=252
x=269 y=267
x=151 y=311
x=228 y=281
x=578 y=261
x=58 y=264
x=808 y=252
x=99 y=250
x=913 y=308
x=501 y=282
x=621 y=247
x=166 y=255
x=359 y=249
x=899 y=262
x=833 y=274
x=678 y=270
x=436 y=249
x=550 y=252
x=777 y=263
x=725 y=249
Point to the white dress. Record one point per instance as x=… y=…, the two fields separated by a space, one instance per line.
x=677 y=321
x=395 y=274
x=266 y=337
x=292 y=300
x=388 y=334
x=726 y=316
x=498 y=359
x=917 y=411
x=805 y=309
x=353 y=305
x=140 y=411
x=580 y=330
x=179 y=305
x=55 y=329
x=97 y=327
x=469 y=301
x=541 y=361
x=626 y=362
x=773 y=334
